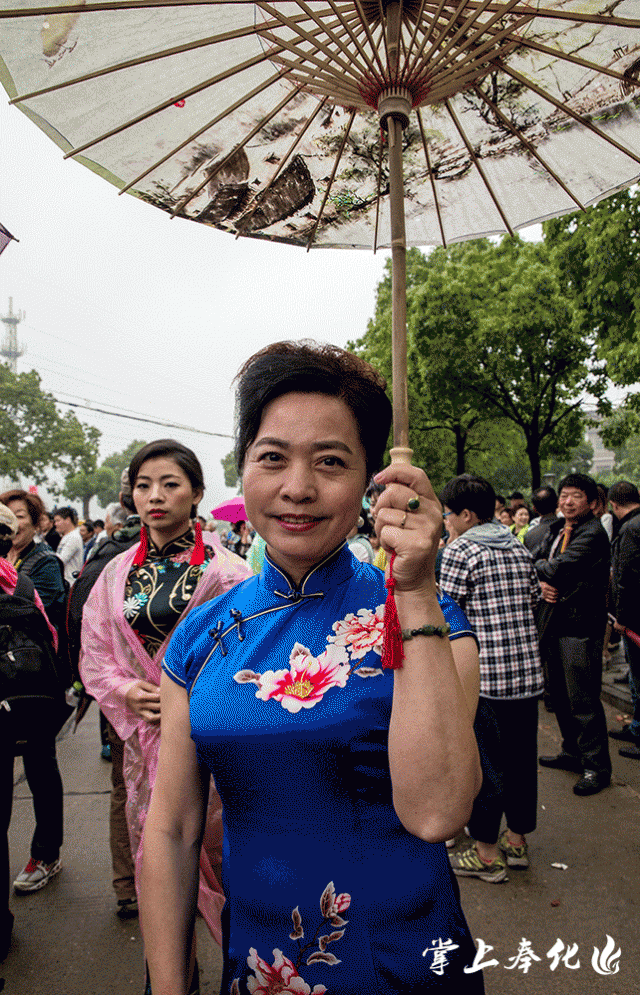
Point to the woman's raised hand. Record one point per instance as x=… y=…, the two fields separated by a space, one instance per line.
x=143 y=698
x=412 y=534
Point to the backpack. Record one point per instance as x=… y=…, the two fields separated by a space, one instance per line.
x=32 y=700
x=56 y=612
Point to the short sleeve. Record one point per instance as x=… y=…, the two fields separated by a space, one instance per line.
x=175 y=658
x=454 y=615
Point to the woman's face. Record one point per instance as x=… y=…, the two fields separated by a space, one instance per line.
x=163 y=497
x=505 y=518
x=27 y=529
x=521 y=518
x=303 y=479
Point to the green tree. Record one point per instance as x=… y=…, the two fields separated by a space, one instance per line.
x=231 y=478
x=597 y=257
x=103 y=482
x=34 y=437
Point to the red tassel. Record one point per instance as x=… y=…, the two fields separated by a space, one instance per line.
x=197 y=557
x=392 y=651
x=143 y=548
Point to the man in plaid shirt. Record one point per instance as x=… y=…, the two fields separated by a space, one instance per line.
x=492 y=577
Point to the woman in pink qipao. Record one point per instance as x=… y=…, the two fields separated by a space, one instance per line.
x=127 y=622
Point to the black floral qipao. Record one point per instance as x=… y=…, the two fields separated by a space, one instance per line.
x=158 y=591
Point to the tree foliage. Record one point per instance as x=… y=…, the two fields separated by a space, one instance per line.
x=34 y=437
x=597 y=256
x=231 y=478
x=103 y=482
x=491 y=341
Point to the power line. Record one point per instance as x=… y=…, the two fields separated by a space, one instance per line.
x=150 y=421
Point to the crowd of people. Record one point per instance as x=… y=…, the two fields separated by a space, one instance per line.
x=311 y=644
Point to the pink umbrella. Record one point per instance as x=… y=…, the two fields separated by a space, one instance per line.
x=232 y=510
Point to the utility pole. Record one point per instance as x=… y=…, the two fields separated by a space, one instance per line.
x=10 y=348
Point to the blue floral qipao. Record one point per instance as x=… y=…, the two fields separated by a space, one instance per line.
x=290 y=709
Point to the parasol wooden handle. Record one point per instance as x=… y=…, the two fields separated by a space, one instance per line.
x=400 y=454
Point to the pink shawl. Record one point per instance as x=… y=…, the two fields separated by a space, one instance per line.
x=111 y=658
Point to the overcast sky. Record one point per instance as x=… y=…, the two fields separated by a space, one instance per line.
x=127 y=309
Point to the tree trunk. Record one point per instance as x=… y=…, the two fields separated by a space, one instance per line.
x=461 y=440
x=533 y=452
x=85 y=506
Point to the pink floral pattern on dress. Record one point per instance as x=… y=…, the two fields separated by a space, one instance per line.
x=304 y=684
x=306 y=680
x=282 y=977
x=360 y=633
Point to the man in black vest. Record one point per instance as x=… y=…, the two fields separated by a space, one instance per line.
x=574 y=572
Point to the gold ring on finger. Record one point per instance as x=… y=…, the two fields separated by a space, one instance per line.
x=413 y=504
x=404 y=518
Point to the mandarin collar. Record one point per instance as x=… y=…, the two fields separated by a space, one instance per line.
x=338 y=567
x=171 y=548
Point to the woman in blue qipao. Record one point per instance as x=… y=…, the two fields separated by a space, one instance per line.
x=339 y=778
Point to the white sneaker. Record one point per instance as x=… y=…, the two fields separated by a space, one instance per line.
x=36 y=875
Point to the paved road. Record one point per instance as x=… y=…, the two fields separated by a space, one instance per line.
x=68 y=941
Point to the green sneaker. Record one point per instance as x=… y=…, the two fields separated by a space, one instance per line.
x=467 y=864
x=517 y=856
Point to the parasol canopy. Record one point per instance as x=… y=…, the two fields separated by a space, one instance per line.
x=232 y=510
x=339 y=124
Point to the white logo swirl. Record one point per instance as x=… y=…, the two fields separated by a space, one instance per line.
x=607 y=961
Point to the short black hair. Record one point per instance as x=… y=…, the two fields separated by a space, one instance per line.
x=308 y=367
x=67 y=512
x=500 y=498
x=89 y=526
x=516 y=494
x=98 y=524
x=582 y=482
x=471 y=492
x=622 y=493
x=545 y=500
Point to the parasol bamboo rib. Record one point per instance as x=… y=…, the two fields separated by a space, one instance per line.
x=331 y=178
x=478 y=166
x=568 y=15
x=91 y=8
x=467 y=25
x=431 y=176
x=210 y=124
x=141 y=60
x=571 y=113
x=335 y=38
x=214 y=172
x=379 y=184
x=385 y=38
x=283 y=161
x=444 y=31
x=473 y=37
x=528 y=145
x=426 y=39
x=527 y=43
x=363 y=52
x=169 y=103
x=305 y=35
x=412 y=40
x=367 y=29
x=479 y=56
x=226 y=74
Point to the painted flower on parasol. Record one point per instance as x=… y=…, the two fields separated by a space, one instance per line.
x=339 y=123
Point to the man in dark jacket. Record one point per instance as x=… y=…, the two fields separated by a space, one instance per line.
x=625 y=598
x=574 y=571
